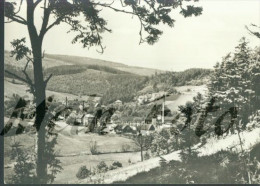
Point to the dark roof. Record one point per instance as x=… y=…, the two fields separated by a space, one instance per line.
x=147 y=127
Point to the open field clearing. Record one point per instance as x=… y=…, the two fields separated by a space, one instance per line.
x=131 y=170
x=187 y=94
x=67 y=139
x=231 y=142
x=72 y=164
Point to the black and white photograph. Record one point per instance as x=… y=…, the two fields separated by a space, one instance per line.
x=130 y=92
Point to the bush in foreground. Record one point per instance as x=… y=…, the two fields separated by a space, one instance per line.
x=102 y=167
x=83 y=172
x=117 y=164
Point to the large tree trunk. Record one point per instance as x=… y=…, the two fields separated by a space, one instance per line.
x=189 y=140
x=40 y=123
x=39 y=95
x=141 y=145
x=142 y=159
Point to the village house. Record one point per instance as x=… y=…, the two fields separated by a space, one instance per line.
x=128 y=129
x=87 y=119
x=118 y=102
x=118 y=129
x=150 y=120
x=147 y=129
x=168 y=119
x=79 y=119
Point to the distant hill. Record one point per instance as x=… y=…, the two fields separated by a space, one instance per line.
x=90 y=82
x=47 y=62
x=52 y=60
x=76 y=60
x=84 y=76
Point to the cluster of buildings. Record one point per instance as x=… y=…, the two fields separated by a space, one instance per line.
x=151 y=124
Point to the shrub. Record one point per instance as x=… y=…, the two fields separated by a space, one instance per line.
x=117 y=164
x=102 y=167
x=111 y=167
x=83 y=172
x=23 y=169
x=93 y=147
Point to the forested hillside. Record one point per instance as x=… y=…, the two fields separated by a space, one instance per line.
x=85 y=76
x=181 y=78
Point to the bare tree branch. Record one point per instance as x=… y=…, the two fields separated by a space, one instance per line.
x=99 y=41
x=257 y=34
x=141 y=30
x=115 y=9
x=123 y=5
x=17 y=19
x=47 y=80
x=46 y=16
x=28 y=79
x=21 y=18
x=16 y=76
x=30 y=20
x=36 y=3
x=58 y=20
x=21 y=2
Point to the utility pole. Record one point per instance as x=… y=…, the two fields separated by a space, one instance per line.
x=163 y=108
x=66 y=102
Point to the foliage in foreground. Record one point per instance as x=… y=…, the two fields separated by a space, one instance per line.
x=24 y=168
x=83 y=172
x=222 y=167
x=102 y=167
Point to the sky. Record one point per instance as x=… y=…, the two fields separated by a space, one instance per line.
x=196 y=42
